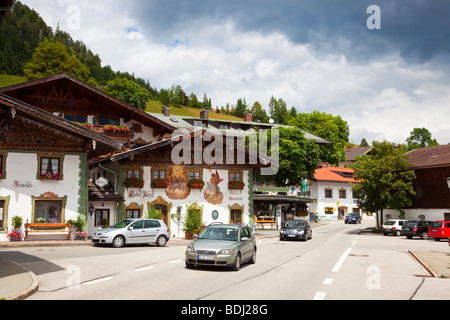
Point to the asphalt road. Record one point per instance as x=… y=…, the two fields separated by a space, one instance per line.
x=339 y=263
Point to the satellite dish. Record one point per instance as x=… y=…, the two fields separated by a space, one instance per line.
x=271 y=121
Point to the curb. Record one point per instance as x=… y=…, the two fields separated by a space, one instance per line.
x=32 y=289
x=423 y=263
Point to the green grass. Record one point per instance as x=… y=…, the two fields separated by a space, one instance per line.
x=155 y=107
x=8 y=80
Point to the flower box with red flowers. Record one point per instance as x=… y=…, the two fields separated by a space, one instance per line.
x=236 y=185
x=50 y=176
x=196 y=184
x=133 y=183
x=160 y=183
x=116 y=129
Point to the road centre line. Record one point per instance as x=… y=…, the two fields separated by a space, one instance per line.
x=328 y=281
x=341 y=260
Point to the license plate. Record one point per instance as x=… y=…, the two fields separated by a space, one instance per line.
x=292 y=236
x=434 y=230
x=200 y=257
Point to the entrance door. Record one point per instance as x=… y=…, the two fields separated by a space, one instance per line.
x=236 y=216
x=164 y=212
x=447 y=216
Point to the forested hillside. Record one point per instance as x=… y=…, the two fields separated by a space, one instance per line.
x=23 y=30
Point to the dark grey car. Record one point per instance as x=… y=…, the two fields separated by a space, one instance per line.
x=296 y=229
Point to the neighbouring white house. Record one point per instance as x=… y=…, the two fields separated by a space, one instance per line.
x=332 y=189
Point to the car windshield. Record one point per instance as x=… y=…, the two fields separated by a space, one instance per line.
x=436 y=224
x=295 y=224
x=353 y=215
x=122 y=224
x=228 y=234
x=389 y=223
x=410 y=224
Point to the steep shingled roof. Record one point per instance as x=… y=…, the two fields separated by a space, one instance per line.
x=430 y=157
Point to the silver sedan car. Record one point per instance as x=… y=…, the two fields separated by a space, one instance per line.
x=133 y=231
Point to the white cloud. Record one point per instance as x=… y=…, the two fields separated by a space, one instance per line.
x=384 y=99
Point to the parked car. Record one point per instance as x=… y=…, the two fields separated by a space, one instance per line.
x=393 y=226
x=313 y=217
x=296 y=229
x=439 y=230
x=353 y=218
x=416 y=229
x=226 y=245
x=133 y=231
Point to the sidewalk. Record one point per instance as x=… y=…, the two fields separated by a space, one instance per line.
x=17 y=283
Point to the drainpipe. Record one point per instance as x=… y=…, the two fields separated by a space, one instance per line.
x=114 y=173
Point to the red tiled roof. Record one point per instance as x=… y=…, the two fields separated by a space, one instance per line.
x=430 y=157
x=334 y=174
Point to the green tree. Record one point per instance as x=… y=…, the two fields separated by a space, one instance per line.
x=52 y=57
x=327 y=126
x=420 y=138
x=177 y=97
x=385 y=180
x=258 y=113
x=364 y=143
x=129 y=92
x=241 y=108
x=298 y=157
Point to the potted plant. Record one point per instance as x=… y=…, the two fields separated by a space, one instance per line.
x=40 y=220
x=105 y=223
x=16 y=223
x=78 y=226
x=192 y=224
x=81 y=235
x=154 y=213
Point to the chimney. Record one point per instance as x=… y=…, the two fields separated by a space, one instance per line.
x=204 y=114
x=248 y=117
x=166 y=111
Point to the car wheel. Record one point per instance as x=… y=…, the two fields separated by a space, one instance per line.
x=424 y=235
x=253 y=259
x=189 y=265
x=161 y=241
x=398 y=233
x=118 y=242
x=237 y=263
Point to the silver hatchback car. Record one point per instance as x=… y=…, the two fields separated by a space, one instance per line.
x=133 y=231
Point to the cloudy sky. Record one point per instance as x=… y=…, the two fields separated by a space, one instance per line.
x=314 y=54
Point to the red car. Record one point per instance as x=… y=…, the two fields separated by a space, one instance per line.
x=439 y=230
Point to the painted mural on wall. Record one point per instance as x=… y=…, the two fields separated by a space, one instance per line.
x=178 y=188
x=212 y=192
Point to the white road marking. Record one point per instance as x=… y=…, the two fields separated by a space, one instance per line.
x=328 y=281
x=341 y=260
x=320 y=296
x=175 y=261
x=89 y=283
x=143 y=269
